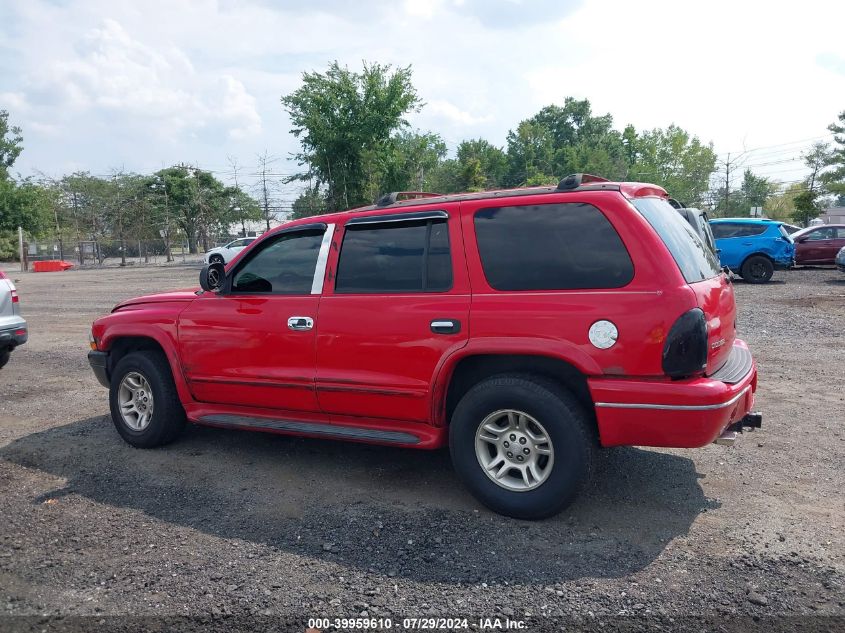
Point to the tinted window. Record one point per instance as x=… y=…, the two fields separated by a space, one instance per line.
x=395 y=257
x=737 y=229
x=285 y=265
x=695 y=260
x=551 y=247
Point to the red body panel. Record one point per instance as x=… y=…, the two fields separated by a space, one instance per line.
x=377 y=354
x=238 y=350
x=373 y=363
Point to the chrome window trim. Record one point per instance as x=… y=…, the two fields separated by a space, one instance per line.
x=410 y=216
x=673 y=407
x=322 y=261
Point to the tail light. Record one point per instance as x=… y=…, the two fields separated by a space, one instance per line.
x=15 y=298
x=685 y=349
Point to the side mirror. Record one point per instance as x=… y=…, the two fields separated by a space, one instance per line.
x=212 y=276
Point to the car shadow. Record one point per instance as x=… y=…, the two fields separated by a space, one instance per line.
x=393 y=511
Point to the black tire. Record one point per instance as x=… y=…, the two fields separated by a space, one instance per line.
x=216 y=259
x=4 y=357
x=566 y=423
x=757 y=269
x=168 y=417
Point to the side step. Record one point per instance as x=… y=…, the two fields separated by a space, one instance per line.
x=310 y=428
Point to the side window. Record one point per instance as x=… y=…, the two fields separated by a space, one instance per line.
x=551 y=247
x=395 y=257
x=720 y=230
x=750 y=230
x=840 y=234
x=284 y=265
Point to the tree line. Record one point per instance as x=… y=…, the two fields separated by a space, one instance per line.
x=356 y=143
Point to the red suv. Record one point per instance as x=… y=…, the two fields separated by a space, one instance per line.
x=523 y=328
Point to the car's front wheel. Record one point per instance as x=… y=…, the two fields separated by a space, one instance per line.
x=4 y=357
x=757 y=269
x=522 y=445
x=145 y=407
x=216 y=259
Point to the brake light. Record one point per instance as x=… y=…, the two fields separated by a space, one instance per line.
x=685 y=349
x=15 y=298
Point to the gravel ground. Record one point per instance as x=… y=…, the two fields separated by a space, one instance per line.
x=229 y=528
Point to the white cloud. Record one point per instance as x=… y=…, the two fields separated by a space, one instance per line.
x=448 y=110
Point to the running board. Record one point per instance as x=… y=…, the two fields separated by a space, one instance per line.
x=310 y=428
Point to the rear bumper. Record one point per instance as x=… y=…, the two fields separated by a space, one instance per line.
x=679 y=414
x=784 y=264
x=99 y=362
x=13 y=334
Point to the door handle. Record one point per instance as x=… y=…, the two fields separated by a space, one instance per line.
x=445 y=326
x=300 y=323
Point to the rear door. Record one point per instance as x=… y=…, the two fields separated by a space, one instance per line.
x=396 y=303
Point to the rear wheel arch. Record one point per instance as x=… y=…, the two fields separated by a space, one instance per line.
x=473 y=369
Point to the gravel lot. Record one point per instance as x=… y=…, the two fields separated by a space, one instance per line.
x=227 y=526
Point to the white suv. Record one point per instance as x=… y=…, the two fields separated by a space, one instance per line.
x=13 y=330
x=224 y=254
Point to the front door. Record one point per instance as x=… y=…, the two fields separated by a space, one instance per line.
x=252 y=343
x=398 y=305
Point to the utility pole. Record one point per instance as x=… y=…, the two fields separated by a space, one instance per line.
x=262 y=160
x=728 y=184
x=234 y=164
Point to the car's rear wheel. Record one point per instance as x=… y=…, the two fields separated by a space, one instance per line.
x=4 y=357
x=522 y=445
x=216 y=259
x=145 y=407
x=757 y=269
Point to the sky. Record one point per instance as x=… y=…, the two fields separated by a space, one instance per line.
x=103 y=85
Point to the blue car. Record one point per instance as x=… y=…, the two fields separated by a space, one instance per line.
x=753 y=247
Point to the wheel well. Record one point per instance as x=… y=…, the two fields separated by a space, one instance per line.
x=473 y=369
x=128 y=344
x=756 y=255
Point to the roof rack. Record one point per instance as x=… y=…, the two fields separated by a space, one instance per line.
x=394 y=196
x=573 y=181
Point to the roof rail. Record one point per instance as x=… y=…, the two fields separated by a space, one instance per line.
x=395 y=196
x=573 y=181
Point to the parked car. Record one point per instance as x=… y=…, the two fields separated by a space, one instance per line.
x=224 y=254
x=700 y=223
x=13 y=329
x=753 y=248
x=521 y=328
x=840 y=260
x=819 y=244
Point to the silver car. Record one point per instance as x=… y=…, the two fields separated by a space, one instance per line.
x=13 y=330
x=840 y=259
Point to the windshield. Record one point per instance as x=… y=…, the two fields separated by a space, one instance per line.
x=696 y=261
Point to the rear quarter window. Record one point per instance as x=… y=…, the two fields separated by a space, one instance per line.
x=563 y=246
x=696 y=261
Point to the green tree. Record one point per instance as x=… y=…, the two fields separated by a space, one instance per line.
x=806 y=207
x=199 y=202
x=309 y=202
x=10 y=144
x=834 y=178
x=344 y=120
x=673 y=159
x=405 y=163
x=483 y=165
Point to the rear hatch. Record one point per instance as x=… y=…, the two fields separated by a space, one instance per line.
x=700 y=267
